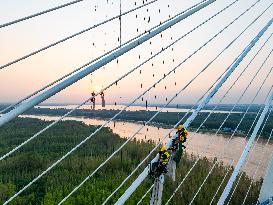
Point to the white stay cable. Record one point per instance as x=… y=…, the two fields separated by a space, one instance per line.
x=229 y=169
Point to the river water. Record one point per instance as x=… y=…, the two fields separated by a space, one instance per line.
x=203 y=144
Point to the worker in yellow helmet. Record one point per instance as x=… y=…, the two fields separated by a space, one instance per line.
x=164 y=157
x=182 y=134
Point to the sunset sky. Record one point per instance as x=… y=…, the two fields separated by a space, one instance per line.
x=23 y=78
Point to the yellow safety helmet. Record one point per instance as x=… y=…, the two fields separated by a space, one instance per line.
x=163 y=148
x=180 y=127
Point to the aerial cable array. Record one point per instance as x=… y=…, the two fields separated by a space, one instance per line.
x=53 y=165
x=221 y=100
x=144 y=174
x=74 y=35
x=130 y=137
x=248 y=87
x=141 y=64
x=44 y=172
x=98 y=64
x=39 y=13
x=226 y=145
x=35 y=179
x=67 y=75
x=195 y=163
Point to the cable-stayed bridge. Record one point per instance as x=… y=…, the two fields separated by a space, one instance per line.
x=237 y=63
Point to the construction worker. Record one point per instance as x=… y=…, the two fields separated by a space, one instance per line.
x=182 y=133
x=102 y=99
x=177 y=143
x=93 y=100
x=164 y=158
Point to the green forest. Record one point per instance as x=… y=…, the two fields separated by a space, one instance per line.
x=19 y=169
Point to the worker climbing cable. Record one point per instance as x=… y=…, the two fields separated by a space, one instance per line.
x=164 y=157
x=182 y=134
x=178 y=143
x=160 y=167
